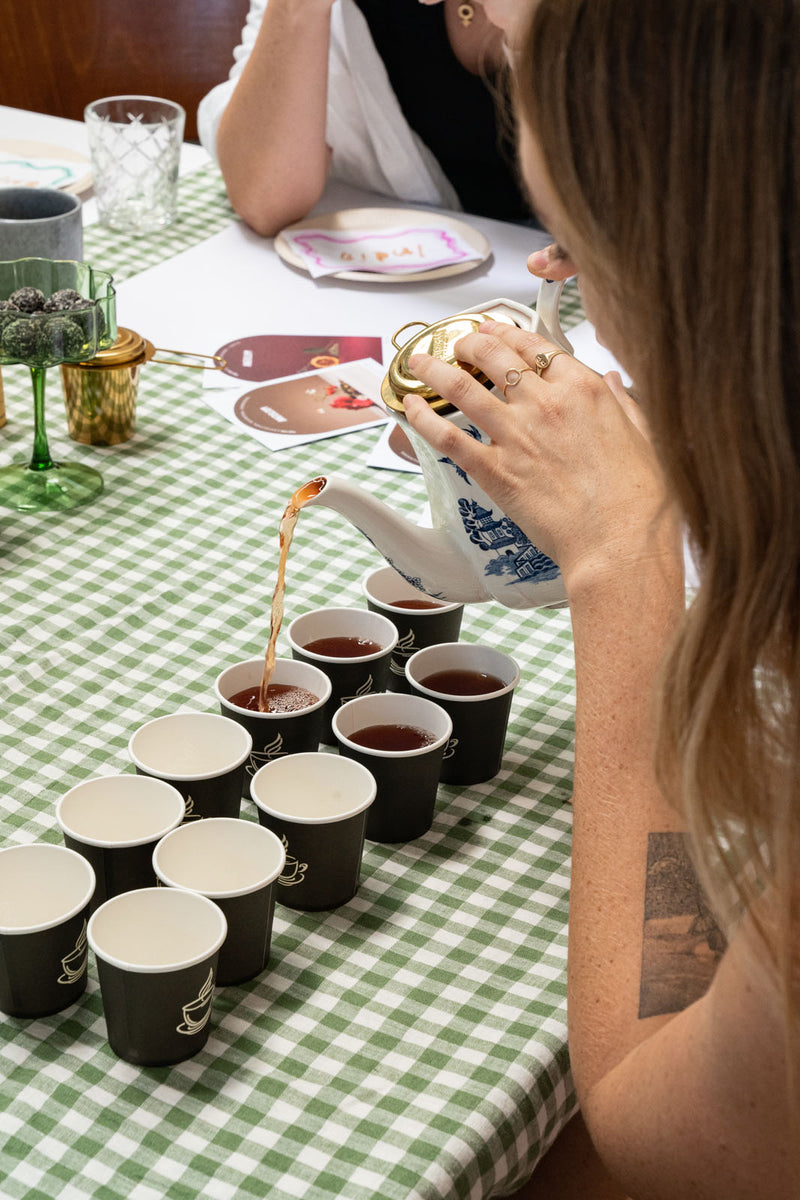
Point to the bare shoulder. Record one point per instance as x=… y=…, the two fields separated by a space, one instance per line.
x=701 y=1110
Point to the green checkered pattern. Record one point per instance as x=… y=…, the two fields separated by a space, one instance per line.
x=407 y=1046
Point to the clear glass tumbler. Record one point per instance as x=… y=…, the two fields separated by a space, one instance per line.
x=135 y=146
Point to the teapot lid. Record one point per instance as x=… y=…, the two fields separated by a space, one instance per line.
x=437 y=340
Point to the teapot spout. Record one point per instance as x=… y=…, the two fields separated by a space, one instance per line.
x=430 y=559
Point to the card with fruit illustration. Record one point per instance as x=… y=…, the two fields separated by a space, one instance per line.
x=308 y=406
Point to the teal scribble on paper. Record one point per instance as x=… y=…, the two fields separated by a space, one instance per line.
x=29 y=172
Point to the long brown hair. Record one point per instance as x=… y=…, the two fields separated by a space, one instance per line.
x=671 y=130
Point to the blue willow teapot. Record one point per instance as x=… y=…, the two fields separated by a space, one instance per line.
x=473 y=551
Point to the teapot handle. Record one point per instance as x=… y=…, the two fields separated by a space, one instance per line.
x=547 y=321
x=408 y=325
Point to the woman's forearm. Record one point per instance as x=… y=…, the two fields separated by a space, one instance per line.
x=570 y=462
x=271 y=139
x=623 y=620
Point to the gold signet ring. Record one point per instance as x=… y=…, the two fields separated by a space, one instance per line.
x=543 y=359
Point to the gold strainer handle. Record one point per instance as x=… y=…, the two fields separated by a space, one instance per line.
x=215 y=362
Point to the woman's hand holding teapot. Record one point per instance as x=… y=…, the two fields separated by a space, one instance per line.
x=569 y=460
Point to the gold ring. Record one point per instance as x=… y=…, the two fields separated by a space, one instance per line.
x=543 y=359
x=513 y=376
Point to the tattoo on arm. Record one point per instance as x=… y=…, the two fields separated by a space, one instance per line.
x=681 y=943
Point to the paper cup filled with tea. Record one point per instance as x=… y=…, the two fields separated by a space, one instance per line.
x=401 y=739
x=352 y=646
x=475 y=685
x=420 y=620
x=292 y=719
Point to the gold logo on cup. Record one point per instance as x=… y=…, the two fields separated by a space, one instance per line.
x=273 y=749
x=188 y=811
x=197 y=1012
x=364 y=690
x=404 y=649
x=294 y=871
x=74 y=963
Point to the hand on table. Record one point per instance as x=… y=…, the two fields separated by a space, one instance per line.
x=569 y=460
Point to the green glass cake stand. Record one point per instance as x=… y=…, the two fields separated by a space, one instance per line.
x=40 y=340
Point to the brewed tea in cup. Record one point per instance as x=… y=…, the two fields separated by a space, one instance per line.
x=401 y=739
x=295 y=720
x=420 y=620
x=475 y=685
x=352 y=646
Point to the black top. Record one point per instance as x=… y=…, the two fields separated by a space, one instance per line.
x=453 y=111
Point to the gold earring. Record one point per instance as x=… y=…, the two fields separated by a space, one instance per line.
x=465 y=14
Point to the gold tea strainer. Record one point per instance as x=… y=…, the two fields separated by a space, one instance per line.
x=100 y=394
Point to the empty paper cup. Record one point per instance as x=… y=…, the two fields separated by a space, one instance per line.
x=317 y=805
x=420 y=620
x=286 y=730
x=353 y=648
x=401 y=740
x=157 y=951
x=44 y=906
x=475 y=685
x=235 y=863
x=201 y=754
x=115 y=822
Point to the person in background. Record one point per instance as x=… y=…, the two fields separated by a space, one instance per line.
x=395 y=96
x=661 y=146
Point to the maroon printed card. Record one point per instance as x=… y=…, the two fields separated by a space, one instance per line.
x=267 y=356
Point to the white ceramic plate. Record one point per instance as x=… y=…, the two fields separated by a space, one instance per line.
x=387 y=218
x=81 y=178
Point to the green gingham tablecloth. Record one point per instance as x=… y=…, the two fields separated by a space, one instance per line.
x=410 y=1045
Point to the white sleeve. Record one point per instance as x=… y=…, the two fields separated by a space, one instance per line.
x=214 y=103
x=373 y=146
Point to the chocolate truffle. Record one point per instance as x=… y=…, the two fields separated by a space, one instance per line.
x=7 y=311
x=61 y=338
x=93 y=326
x=64 y=300
x=21 y=339
x=28 y=299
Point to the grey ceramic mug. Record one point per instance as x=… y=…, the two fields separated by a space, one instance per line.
x=40 y=223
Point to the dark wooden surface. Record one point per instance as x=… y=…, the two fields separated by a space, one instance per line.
x=58 y=55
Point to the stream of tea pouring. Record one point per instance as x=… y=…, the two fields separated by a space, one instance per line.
x=299 y=499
